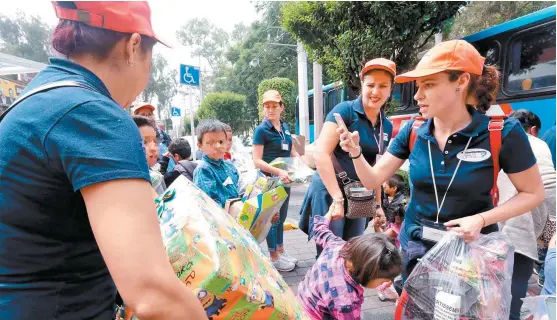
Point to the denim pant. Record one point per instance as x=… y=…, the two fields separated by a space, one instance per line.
x=275 y=238
x=523 y=269
x=346 y=229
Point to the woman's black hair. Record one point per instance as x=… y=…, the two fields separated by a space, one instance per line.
x=372 y=256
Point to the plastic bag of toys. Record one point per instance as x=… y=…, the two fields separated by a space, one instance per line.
x=297 y=170
x=457 y=280
x=219 y=259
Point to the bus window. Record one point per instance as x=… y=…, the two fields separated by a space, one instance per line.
x=333 y=97
x=489 y=50
x=532 y=61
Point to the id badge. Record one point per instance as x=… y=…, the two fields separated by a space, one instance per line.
x=377 y=157
x=433 y=231
x=284 y=145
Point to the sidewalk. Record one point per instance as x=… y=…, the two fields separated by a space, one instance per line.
x=297 y=245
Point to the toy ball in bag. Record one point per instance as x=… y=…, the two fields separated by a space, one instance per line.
x=457 y=280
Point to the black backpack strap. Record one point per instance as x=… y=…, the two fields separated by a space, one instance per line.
x=46 y=87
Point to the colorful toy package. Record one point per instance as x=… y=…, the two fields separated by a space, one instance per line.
x=261 y=185
x=219 y=260
x=458 y=280
x=298 y=171
x=257 y=212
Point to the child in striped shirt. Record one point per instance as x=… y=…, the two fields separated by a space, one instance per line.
x=333 y=287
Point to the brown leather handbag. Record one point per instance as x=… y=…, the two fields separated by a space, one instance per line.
x=360 y=202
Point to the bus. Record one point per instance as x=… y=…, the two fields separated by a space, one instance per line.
x=524 y=51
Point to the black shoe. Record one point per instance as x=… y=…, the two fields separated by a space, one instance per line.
x=541 y=281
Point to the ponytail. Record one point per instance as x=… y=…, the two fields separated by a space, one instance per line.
x=483 y=89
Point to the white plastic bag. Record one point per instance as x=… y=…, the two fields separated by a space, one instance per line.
x=538 y=308
x=298 y=171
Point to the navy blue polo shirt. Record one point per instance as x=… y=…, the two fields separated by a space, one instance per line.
x=266 y=135
x=469 y=193
x=51 y=146
x=354 y=116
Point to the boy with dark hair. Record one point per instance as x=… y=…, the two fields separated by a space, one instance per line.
x=180 y=151
x=216 y=177
x=393 y=195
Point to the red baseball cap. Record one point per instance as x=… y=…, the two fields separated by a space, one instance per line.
x=381 y=64
x=454 y=55
x=120 y=16
x=142 y=105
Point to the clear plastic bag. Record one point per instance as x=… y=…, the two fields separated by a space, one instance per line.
x=298 y=171
x=538 y=308
x=457 y=280
x=248 y=178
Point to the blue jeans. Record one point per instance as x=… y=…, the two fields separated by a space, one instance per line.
x=346 y=229
x=275 y=238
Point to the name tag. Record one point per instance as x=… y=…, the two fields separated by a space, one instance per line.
x=432 y=234
x=377 y=157
x=285 y=145
x=385 y=137
x=228 y=181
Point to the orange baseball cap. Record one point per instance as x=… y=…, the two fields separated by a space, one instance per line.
x=120 y=16
x=138 y=106
x=272 y=95
x=381 y=64
x=455 y=55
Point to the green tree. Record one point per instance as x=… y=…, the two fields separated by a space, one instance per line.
x=342 y=36
x=162 y=84
x=288 y=91
x=479 y=15
x=25 y=37
x=227 y=107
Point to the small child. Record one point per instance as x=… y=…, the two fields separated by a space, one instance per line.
x=180 y=151
x=393 y=191
x=393 y=228
x=333 y=287
x=147 y=129
x=216 y=177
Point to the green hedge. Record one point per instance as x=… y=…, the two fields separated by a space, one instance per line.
x=288 y=91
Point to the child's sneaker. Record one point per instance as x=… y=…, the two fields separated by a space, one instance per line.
x=284 y=265
x=386 y=291
x=288 y=257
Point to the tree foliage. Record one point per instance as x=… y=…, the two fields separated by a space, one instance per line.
x=25 y=37
x=479 y=15
x=227 y=107
x=288 y=91
x=162 y=84
x=344 y=35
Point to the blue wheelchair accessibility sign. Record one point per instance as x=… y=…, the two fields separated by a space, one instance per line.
x=189 y=75
x=175 y=112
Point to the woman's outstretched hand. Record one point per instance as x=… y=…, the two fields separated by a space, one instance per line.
x=349 y=141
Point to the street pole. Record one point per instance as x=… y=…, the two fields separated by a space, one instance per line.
x=303 y=91
x=192 y=125
x=317 y=99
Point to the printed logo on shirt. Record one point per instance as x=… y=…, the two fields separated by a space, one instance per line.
x=474 y=155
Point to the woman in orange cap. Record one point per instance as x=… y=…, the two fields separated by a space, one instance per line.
x=271 y=140
x=366 y=115
x=80 y=218
x=451 y=167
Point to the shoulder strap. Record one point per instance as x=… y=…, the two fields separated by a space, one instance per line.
x=341 y=174
x=418 y=121
x=495 y=128
x=45 y=87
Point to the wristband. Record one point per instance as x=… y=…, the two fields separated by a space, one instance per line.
x=479 y=214
x=356 y=157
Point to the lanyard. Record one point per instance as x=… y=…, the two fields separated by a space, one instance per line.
x=282 y=135
x=379 y=145
x=450 y=183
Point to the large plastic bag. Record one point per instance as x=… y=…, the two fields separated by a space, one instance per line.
x=538 y=308
x=457 y=280
x=219 y=259
x=298 y=171
x=248 y=178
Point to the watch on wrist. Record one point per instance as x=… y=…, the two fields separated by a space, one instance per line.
x=377 y=206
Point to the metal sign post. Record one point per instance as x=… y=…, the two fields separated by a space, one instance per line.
x=190 y=76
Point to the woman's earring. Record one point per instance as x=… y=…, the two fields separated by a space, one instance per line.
x=130 y=64
x=457 y=89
